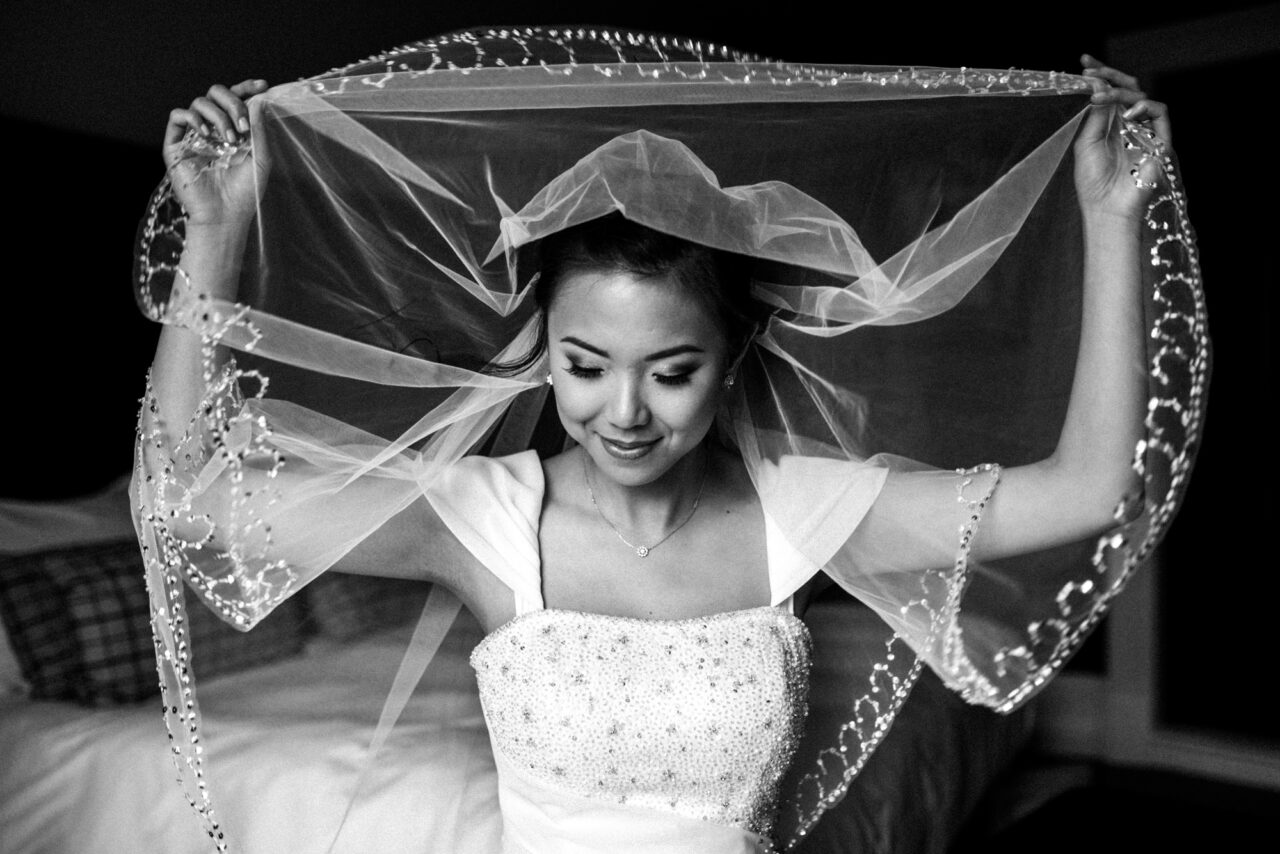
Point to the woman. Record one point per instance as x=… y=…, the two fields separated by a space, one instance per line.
x=651 y=536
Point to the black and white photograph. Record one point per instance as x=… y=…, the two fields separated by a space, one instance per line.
x=662 y=428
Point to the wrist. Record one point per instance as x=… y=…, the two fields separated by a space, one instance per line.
x=1099 y=219
x=212 y=255
x=217 y=232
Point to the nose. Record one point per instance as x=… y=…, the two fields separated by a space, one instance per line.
x=627 y=408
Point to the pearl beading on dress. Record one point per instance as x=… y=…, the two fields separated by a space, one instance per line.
x=699 y=717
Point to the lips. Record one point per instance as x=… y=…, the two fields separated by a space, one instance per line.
x=627 y=450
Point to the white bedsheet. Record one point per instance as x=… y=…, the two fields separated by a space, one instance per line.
x=285 y=743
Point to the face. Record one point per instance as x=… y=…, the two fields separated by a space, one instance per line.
x=638 y=365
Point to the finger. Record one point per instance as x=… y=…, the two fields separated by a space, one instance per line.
x=232 y=101
x=1100 y=86
x=245 y=90
x=1110 y=95
x=1145 y=109
x=1113 y=76
x=248 y=88
x=1164 y=129
x=1092 y=67
x=216 y=117
x=181 y=121
x=1147 y=173
x=233 y=105
x=1154 y=112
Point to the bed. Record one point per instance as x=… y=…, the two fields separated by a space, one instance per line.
x=84 y=762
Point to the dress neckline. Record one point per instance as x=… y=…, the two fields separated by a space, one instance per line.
x=719 y=616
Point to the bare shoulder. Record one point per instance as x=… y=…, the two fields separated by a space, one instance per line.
x=562 y=475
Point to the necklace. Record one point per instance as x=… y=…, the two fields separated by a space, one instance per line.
x=642 y=550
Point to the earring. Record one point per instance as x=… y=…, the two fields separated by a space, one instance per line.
x=729 y=379
x=549 y=380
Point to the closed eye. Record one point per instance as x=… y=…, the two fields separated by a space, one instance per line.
x=674 y=379
x=577 y=370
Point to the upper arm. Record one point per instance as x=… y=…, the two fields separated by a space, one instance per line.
x=416 y=543
x=412 y=543
x=255 y=499
x=250 y=536
x=920 y=517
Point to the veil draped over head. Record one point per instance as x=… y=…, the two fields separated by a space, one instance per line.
x=913 y=232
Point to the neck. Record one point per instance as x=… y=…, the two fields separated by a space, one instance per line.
x=652 y=509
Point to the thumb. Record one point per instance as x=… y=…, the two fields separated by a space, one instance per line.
x=259 y=147
x=1147 y=174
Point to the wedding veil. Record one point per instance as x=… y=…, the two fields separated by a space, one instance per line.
x=913 y=232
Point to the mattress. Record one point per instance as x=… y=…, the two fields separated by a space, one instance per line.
x=286 y=743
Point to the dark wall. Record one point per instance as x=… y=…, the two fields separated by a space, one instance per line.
x=84 y=108
x=115 y=68
x=74 y=349
x=1217 y=573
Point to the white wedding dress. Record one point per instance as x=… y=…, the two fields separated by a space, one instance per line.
x=624 y=734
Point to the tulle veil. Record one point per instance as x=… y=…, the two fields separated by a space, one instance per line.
x=913 y=233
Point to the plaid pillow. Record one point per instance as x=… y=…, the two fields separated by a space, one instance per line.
x=344 y=607
x=34 y=614
x=217 y=648
x=78 y=621
x=107 y=611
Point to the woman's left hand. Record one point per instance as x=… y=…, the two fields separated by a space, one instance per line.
x=1111 y=178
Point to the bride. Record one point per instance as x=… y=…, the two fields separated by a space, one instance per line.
x=644 y=672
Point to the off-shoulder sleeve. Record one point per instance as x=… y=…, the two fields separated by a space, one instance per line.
x=492 y=505
x=811 y=508
x=970 y=635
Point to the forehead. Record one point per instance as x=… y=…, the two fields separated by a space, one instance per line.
x=631 y=312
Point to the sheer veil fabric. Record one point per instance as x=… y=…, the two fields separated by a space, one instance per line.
x=913 y=232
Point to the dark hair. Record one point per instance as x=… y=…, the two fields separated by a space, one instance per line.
x=718 y=280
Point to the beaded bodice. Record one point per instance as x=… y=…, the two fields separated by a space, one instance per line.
x=699 y=717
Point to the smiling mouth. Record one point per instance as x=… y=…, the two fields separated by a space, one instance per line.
x=627 y=450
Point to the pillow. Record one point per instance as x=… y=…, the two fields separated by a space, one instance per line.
x=78 y=620
x=39 y=526
x=12 y=685
x=344 y=607
x=36 y=624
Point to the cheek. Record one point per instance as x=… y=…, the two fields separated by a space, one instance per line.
x=688 y=412
x=576 y=404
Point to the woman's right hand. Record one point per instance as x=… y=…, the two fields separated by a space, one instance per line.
x=214 y=194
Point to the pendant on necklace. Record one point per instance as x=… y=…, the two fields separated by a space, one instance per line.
x=642 y=551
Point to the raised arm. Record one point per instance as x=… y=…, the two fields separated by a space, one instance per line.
x=220 y=202
x=1074 y=492
x=219 y=198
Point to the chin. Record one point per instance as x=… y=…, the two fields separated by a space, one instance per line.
x=631 y=469
x=631 y=472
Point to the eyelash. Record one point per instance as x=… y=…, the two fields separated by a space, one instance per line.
x=662 y=379
x=585 y=373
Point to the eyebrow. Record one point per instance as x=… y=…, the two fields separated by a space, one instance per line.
x=652 y=357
